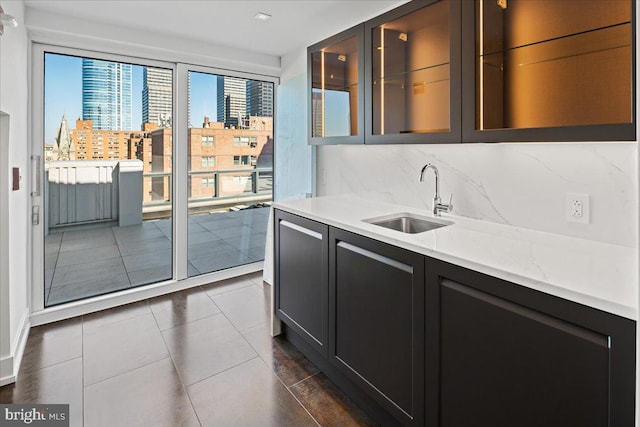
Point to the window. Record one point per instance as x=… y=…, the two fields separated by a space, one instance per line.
x=208 y=182
x=208 y=161
x=242 y=160
x=241 y=140
x=242 y=180
x=207 y=140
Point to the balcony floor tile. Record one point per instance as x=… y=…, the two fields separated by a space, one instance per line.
x=88 y=262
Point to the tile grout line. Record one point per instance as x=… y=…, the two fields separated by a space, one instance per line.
x=55 y=267
x=304 y=379
x=121 y=257
x=128 y=370
x=33 y=371
x=175 y=368
x=271 y=370
x=223 y=371
x=257 y=355
x=295 y=397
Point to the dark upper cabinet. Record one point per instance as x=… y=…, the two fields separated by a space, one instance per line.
x=511 y=356
x=376 y=321
x=392 y=79
x=412 y=92
x=536 y=70
x=301 y=277
x=438 y=71
x=336 y=91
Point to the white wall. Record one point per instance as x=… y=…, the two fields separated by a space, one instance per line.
x=14 y=97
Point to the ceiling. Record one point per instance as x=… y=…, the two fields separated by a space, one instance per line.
x=294 y=23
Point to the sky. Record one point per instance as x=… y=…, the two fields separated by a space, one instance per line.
x=63 y=94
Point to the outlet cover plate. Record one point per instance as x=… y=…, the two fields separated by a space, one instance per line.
x=577 y=208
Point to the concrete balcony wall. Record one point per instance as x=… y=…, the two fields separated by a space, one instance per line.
x=89 y=191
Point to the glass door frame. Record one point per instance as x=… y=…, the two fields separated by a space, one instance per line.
x=181 y=168
x=35 y=181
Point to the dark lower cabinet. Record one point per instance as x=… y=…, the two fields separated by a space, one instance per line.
x=421 y=342
x=376 y=321
x=301 y=275
x=510 y=356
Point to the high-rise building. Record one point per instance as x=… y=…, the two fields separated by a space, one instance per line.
x=156 y=95
x=106 y=94
x=231 y=100
x=259 y=98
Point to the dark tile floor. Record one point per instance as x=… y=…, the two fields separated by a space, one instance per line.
x=200 y=357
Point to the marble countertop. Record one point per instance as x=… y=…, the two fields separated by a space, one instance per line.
x=599 y=275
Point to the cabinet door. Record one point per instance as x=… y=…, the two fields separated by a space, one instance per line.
x=301 y=277
x=412 y=74
x=510 y=356
x=376 y=321
x=335 y=92
x=535 y=70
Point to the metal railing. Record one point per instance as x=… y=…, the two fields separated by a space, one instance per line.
x=259 y=183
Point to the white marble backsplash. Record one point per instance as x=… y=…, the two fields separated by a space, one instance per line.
x=516 y=184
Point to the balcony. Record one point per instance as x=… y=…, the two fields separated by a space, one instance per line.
x=103 y=236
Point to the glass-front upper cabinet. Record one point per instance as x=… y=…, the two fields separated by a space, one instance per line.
x=413 y=60
x=336 y=98
x=548 y=70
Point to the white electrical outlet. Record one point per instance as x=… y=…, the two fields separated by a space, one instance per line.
x=577 y=208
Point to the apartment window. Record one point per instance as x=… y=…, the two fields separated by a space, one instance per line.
x=241 y=140
x=208 y=140
x=208 y=182
x=242 y=160
x=208 y=161
x=241 y=180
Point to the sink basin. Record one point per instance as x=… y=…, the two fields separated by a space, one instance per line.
x=408 y=223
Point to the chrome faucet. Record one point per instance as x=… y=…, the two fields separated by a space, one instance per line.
x=438 y=206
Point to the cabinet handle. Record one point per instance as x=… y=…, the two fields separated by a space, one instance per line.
x=376 y=257
x=306 y=231
x=552 y=322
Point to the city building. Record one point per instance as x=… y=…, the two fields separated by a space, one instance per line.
x=218 y=159
x=106 y=94
x=157 y=89
x=259 y=98
x=231 y=100
x=99 y=144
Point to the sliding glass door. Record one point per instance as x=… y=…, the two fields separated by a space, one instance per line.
x=106 y=168
x=145 y=172
x=230 y=149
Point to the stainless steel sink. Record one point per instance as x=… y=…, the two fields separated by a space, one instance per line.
x=408 y=223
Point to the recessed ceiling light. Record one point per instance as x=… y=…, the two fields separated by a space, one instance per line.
x=261 y=16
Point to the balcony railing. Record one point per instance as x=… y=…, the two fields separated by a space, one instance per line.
x=80 y=192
